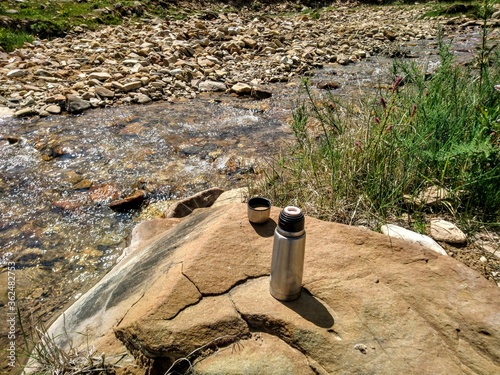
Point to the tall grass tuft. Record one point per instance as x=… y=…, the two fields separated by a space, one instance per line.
x=45 y=356
x=361 y=163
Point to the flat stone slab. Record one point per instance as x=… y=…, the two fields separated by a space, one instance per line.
x=370 y=304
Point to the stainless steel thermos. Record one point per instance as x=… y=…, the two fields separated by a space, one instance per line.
x=287 y=264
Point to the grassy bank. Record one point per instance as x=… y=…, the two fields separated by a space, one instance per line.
x=20 y=21
x=368 y=162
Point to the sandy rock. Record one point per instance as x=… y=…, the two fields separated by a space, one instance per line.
x=241 y=88
x=232 y=196
x=395 y=231
x=442 y=230
x=261 y=353
x=370 y=304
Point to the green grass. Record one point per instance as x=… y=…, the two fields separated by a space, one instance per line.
x=10 y=40
x=365 y=162
x=47 y=19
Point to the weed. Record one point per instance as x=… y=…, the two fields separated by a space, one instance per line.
x=439 y=129
x=45 y=356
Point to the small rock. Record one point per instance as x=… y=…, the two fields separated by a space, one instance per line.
x=16 y=73
x=43 y=73
x=26 y=112
x=261 y=93
x=132 y=86
x=442 y=230
x=104 y=92
x=83 y=184
x=101 y=76
x=212 y=86
x=142 y=98
x=433 y=195
x=68 y=204
x=104 y=193
x=53 y=109
x=395 y=231
x=75 y=104
x=328 y=85
x=241 y=88
x=483 y=259
x=132 y=201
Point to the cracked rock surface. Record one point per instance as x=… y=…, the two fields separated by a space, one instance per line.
x=198 y=288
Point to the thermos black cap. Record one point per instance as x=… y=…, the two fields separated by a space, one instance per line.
x=291 y=219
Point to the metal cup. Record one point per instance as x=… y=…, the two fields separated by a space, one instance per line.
x=258 y=210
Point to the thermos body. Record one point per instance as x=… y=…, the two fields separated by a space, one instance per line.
x=287 y=264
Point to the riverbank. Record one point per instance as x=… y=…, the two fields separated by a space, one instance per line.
x=240 y=53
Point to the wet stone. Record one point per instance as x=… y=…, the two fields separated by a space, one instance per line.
x=132 y=201
x=26 y=112
x=328 y=85
x=53 y=109
x=75 y=104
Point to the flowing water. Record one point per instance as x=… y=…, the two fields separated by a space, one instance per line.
x=58 y=174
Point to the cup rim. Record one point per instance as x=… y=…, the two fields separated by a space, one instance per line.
x=258 y=201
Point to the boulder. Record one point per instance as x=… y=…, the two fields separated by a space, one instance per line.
x=199 y=290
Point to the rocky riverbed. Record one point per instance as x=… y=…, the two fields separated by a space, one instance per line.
x=153 y=59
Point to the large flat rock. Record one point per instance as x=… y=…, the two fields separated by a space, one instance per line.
x=370 y=304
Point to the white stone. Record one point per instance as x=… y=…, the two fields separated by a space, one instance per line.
x=17 y=73
x=212 y=86
x=395 y=231
x=101 y=76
